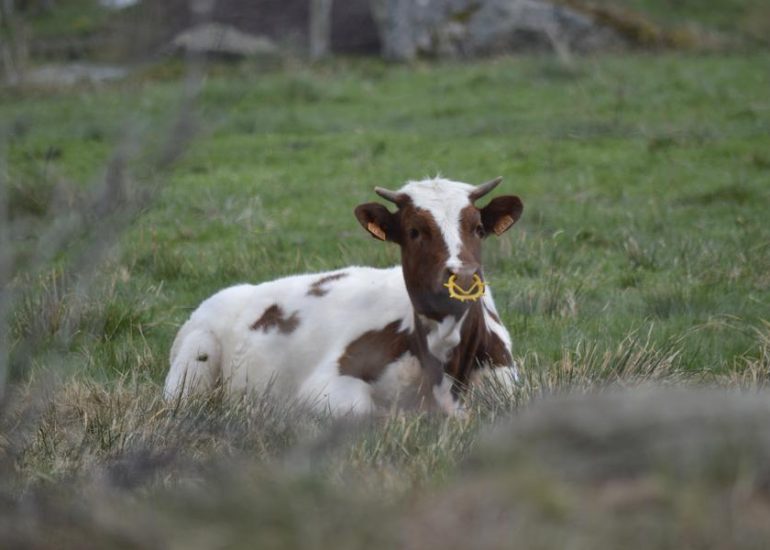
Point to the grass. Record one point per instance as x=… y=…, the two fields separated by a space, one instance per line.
x=642 y=258
x=747 y=18
x=74 y=18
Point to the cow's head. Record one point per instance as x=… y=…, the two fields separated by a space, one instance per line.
x=439 y=229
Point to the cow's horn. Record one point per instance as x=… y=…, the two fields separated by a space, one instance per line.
x=484 y=188
x=388 y=195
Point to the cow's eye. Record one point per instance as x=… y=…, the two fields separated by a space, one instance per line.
x=414 y=234
x=480 y=230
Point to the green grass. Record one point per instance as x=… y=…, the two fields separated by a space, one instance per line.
x=72 y=18
x=643 y=255
x=747 y=18
x=645 y=182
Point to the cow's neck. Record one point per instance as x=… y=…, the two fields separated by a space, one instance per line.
x=443 y=336
x=448 y=346
x=456 y=346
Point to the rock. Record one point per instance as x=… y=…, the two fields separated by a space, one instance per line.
x=222 y=40
x=453 y=28
x=117 y=4
x=506 y=25
x=69 y=74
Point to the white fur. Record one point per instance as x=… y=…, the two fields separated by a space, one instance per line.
x=303 y=362
x=442 y=393
x=399 y=384
x=443 y=336
x=507 y=377
x=510 y=373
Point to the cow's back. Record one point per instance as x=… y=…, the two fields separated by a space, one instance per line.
x=284 y=332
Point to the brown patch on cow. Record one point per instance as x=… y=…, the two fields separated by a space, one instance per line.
x=273 y=317
x=478 y=346
x=317 y=288
x=470 y=219
x=465 y=357
x=367 y=356
x=423 y=257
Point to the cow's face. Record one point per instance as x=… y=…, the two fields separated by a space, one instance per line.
x=440 y=231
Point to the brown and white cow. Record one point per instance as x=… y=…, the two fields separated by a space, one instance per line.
x=357 y=338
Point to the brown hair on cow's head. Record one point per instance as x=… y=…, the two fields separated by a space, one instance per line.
x=439 y=229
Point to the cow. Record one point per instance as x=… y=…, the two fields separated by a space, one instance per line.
x=356 y=339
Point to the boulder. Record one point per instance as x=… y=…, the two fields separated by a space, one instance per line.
x=216 y=39
x=70 y=74
x=459 y=28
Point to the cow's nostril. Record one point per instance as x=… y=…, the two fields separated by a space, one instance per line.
x=465 y=276
x=469 y=288
x=465 y=281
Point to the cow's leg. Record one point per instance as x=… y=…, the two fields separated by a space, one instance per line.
x=445 y=401
x=508 y=375
x=338 y=394
x=505 y=378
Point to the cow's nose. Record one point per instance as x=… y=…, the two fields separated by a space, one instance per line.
x=464 y=277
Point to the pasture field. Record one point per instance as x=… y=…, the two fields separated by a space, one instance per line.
x=643 y=256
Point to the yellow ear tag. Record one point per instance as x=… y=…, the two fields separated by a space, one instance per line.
x=376 y=230
x=502 y=224
x=475 y=292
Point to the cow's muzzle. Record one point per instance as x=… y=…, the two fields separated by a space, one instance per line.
x=473 y=292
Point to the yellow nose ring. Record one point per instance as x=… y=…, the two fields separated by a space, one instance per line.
x=475 y=292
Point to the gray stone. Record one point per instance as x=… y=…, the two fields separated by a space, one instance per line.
x=219 y=39
x=454 y=28
x=69 y=74
x=117 y=4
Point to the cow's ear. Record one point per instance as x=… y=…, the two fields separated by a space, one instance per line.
x=378 y=221
x=501 y=213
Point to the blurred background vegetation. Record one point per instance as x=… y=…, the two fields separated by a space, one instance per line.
x=88 y=28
